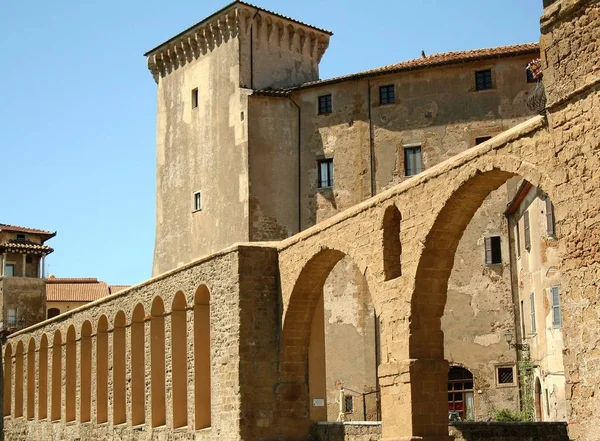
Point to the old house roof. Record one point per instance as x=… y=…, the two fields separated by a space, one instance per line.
x=18 y=229
x=75 y=289
x=113 y=289
x=25 y=246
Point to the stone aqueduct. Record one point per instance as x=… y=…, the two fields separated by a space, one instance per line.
x=218 y=349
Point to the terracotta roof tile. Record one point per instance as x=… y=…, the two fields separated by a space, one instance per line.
x=113 y=289
x=75 y=290
x=435 y=60
x=18 y=229
x=20 y=245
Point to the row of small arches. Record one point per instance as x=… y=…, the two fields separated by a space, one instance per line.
x=52 y=386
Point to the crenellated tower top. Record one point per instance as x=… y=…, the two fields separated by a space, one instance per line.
x=251 y=24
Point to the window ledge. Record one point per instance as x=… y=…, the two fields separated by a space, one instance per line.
x=196 y=211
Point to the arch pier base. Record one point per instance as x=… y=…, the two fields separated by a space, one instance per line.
x=414 y=400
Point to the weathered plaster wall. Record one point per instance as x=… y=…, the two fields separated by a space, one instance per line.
x=27 y=296
x=201 y=149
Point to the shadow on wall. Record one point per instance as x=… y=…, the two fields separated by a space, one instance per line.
x=495 y=431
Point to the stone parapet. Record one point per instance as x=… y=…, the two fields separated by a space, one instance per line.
x=496 y=431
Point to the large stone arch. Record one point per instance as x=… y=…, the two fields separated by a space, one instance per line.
x=295 y=371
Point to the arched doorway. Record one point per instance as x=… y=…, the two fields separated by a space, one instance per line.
x=539 y=414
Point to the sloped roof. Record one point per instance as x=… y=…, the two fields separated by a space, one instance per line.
x=75 y=289
x=435 y=60
x=18 y=229
x=113 y=289
x=25 y=245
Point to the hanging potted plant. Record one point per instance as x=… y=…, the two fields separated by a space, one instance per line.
x=537 y=100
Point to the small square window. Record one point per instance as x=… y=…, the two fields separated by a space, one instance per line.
x=483 y=79
x=348 y=404
x=493 y=250
x=20 y=237
x=325 y=104
x=413 y=161
x=482 y=139
x=9 y=270
x=195 y=98
x=505 y=375
x=197 y=201
x=325 y=173
x=11 y=318
x=387 y=95
x=530 y=77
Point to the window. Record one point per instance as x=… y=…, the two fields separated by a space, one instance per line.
x=20 y=237
x=387 y=95
x=348 y=404
x=325 y=104
x=556 y=314
x=505 y=375
x=550 y=222
x=530 y=77
x=460 y=393
x=325 y=173
x=197 y=201
x=53 y=312
x=493 y=250
x=527 y=232
x=195 y=98
x=532 y=306
x=11 y=318
x=483 y=79
x=482 y=139
x=413 y=161
x=9 y=270
x=518 y=238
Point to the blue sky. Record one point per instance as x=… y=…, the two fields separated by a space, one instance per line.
x=77 y=104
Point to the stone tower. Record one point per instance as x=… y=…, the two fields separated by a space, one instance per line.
x=204 y=76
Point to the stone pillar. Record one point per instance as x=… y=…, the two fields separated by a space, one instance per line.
x=2 y=268
x=24 y=269
x=168 y=365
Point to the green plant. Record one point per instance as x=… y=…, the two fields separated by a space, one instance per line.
x=525 y=368
x=505 y=415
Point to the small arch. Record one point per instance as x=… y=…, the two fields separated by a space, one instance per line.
x=53 y=312
x=138 y=363
x=43 y=379
x=31 y=379
x=119 y=369
x=56 y=402
x=157 y=362
x=71 y=374
x=7 y=402
x=85 y=403
x=179 y=367
x=19 y=380
x=392 y=247
x=202 y=364
x=102 y=370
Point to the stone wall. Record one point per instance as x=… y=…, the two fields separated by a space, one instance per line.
x=509 y=431
x=345 y=432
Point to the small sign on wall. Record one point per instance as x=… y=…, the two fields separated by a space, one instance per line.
x=318 y=402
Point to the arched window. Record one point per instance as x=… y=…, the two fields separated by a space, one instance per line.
x=7 y=402
x=461 y=404
x=179 y=360
x=71 y=374
x=53 y=312
x=31 y=379
x=56 y=406
x=43 y=379
x=119 y=368
x=392 y=248
x=19 y=380
x=138 y=364
x=157 y=362
x=202 y=358
x=85 y=404
x=102 y=371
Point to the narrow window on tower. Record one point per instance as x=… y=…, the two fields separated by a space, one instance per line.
x=325 y=104
x=325 y=171
x=413 y=160
x=493 y=250
x=197 y=201
x=195 y=98
x=387 y=95
x=483 y=79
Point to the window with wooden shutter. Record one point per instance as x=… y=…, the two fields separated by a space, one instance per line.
x=532 y=307
x=493 y=250
x=527 y=232
x=556 y=313
x=550 y=218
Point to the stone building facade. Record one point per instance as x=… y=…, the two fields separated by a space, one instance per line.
x=273 y=163
x=256 y=302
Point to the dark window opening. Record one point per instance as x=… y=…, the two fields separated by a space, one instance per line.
x=348 y=404
x=550 y=221
x=530 y=77
x=460 y=394
x=506 y=375
x=413 y=161
x=518 y=238
x=483 y=79
x=387 y=95
x=197 y=201
x=28 y=259
x=482 y=139
x=194 y=98
x=53 y=312
x=325 y=167
x=493 y=250
x=527 y=231
x=325 y=104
